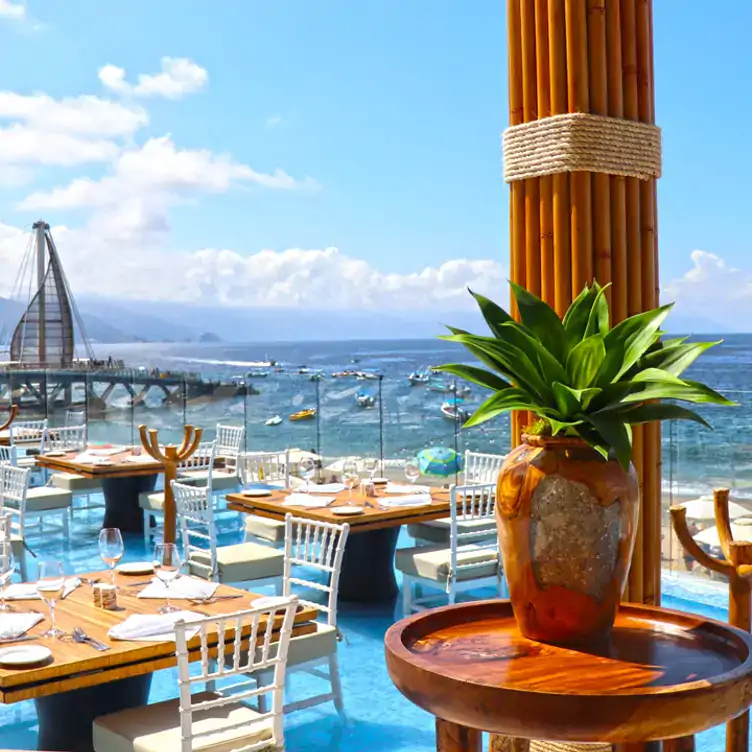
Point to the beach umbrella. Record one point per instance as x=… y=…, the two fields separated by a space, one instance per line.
x=439 y=461
x=704 y=509
x=741 y=530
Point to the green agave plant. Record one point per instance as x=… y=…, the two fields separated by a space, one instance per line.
x=578 y=375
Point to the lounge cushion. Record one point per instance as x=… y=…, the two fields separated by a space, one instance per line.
x=242 y=562
x=75 y=483
x=151 y=500
x=432 y=562
x=45 y=498
x=264 y=528
x=437 y=531
x=221 y=480
x=156 y=728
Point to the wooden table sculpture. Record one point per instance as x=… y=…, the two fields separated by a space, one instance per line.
x=662 y=675
x=170 y=458
x=737 y=567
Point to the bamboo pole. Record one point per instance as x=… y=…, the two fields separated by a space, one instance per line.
x=578 y=98
x=599 y=105
x=560 y=182
x=545 y=183
x=617 y=184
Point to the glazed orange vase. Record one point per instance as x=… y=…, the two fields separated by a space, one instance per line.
x=567 y=521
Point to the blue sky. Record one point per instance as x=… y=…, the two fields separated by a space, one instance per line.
x=392 y=110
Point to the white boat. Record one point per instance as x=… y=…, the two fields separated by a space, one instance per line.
x=363 y=399
x=417 y=378
x=440 y=386
x=451 y=410
x=275 y=421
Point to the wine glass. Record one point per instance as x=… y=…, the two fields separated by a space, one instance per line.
x=412 y=471
x=50 y=587
x=370 y=465
x=350 y=476
x=111 y=548
x=166 y=568
x=7 y=567
x=307 y=469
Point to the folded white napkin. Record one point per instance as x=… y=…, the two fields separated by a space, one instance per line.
x=307 y=500
x=331 y=488
x=105 y=451
x=180 y=588
x=273 y=483
x=153 y=627
x=403 y=488
x=87 y=458
x=139 y=458
x=27 y=591
x=413 y=500
x=14 y=625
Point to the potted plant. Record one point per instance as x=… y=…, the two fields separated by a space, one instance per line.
x=567 y=503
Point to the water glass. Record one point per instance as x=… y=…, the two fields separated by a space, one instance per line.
x=166 y=568
x=412 y=471
x=350 y=476
x=370 y=465
x=111 y=547
x=307 y=469
x=7 y=567
x=50 y=587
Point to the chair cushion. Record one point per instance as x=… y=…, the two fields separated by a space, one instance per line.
x=242 y=562
x=264 y=528
x=75 y=483
x=45 y=498
x=151 y=500
x=17 y=546
x=221 y=480
x=27 y=461
x=432 y=562
x=437 y=531
x=156 y=728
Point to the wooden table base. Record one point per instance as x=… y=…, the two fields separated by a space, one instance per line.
x=368 y=566
x=121 y=501
x=451 y=737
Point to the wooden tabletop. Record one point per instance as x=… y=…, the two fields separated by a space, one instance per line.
x=374 y=517
x=75 y=665
x=664 y=674
x=121 y=466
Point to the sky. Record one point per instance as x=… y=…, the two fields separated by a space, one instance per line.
x=330 y=154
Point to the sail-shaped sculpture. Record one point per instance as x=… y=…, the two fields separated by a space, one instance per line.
x=46 y=334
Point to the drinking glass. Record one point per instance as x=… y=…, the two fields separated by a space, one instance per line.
x=371 y=464
x=412 y=471
x=111 y=548
x=350 y=476
x=166 y=568
x=7 y=567
x=50 y=587
x=307 y=470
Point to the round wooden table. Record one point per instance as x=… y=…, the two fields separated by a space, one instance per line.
x=662 y=675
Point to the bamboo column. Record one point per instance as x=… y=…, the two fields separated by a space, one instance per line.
x=567 y=229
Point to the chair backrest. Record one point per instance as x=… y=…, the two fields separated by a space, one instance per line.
x=75 y=417
x=14 y=485
x=481 y=467
x=261 y=467
x=229 y=440
x=267 y=664
x=195 y=513
x=202 y=458
x=315 y=545
x=65 y=439
x=473 y=503
x=8 y=455
x=27 y=432
x=6 y=539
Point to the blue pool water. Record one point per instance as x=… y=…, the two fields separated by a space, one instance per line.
x=379 y=718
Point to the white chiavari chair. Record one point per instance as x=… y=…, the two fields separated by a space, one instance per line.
x=272 y=468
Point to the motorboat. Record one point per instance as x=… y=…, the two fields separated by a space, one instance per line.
x=365 y=399
x=257 y=374
x=442 y=387
x=275 y=421
x=304 y=414
x=316 y=376
x=453 y=410
x=418 y=378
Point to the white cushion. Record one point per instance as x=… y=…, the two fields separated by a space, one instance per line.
x=243 y=562
x=45 y=498
x=156 y=728
x=75 y=483
x=221 y=480
x=151 y=500
x=433 y=562
x=437 y=531
x=264 y=528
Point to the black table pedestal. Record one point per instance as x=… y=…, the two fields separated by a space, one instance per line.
x=65 y=719
x=121 y=501
x=368 y=566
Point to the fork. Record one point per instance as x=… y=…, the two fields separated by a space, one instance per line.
x=213 y=599
x=79 y=635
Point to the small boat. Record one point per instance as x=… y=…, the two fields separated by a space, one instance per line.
x=418 y=378
x=316 y=376
x=452 y=410
x=257 y=374
x=367 y=376
x=440 y=386
x=304 y=414
x=275 y=421
x=364 y=399
x=462 y=391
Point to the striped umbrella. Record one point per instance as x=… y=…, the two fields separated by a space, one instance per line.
x=441 y=461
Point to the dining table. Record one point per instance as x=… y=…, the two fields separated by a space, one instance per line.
x=78 y=682
x=367 y=574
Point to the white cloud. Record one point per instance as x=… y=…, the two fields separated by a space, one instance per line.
x=12 y=10
x=178 y=77
x=21 y=145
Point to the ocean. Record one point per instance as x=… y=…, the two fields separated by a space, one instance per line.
x=405 y=419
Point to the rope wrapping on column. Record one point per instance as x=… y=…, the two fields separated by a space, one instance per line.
x=581 y=142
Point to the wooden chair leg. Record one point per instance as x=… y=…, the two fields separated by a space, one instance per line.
x=507 y=744
x=451 y=737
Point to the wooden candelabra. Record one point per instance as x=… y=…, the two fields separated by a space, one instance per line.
x=737 y=567
x=170 y=458
x=11 y=417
